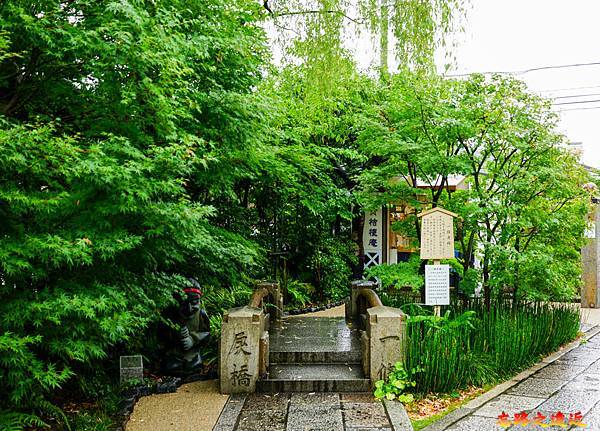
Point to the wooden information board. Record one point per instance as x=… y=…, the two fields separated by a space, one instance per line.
x=437 y=234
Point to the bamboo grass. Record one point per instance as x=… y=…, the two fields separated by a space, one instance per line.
x=501 y=342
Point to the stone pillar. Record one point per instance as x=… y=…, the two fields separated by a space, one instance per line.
x=352 y=306
x=242 y=336
x=590 y=255
x=276 y=299
x=386 y=333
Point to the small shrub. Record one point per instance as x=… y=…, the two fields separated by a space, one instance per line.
x=398 y=382
x=399 y=275
x=299 y=293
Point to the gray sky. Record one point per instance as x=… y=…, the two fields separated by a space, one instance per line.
x=514 y=35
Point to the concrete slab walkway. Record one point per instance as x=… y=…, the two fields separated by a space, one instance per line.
x=567 y=381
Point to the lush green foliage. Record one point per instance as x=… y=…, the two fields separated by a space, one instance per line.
x=397 y=383
x=522 y=203
x=470 y=345
x=142 y=142
x=122 y=123
x=399 y=275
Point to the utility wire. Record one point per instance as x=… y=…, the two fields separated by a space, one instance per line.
x=575 y=95
x=533 y=69
x=578 y=109
x=576 y=102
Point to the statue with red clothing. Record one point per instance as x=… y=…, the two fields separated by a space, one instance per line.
x=193 y=333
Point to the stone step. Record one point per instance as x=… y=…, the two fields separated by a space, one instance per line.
x=331 y=357
x=314 y=378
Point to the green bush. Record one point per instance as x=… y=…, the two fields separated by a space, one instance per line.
x=398 y=382
x=470 y=345
x=399 y=275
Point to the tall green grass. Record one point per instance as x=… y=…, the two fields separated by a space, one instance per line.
x=473 y=346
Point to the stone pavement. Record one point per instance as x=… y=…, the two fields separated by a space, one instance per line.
x=567 y=381
x=311 y=412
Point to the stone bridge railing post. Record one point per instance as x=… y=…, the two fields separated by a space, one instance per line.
x=384 y=341
x=383 y=338
x=352 y=307
x=243 y=349
x=275 y=299
x=244 y=344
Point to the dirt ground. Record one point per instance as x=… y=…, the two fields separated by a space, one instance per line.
x=194 y=407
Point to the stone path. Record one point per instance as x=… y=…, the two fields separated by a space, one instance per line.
x=311 y=412
x=315 y=383
x=567 y=381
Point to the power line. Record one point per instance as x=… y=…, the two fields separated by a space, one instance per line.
x=533 y=69
x=579 y=109
x=576 y=95
x=576 y=102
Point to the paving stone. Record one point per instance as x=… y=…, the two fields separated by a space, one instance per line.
x=230 y=413
x=571 y=401
x=559 y=372
x=399 y=419
x=581 y=356
x=262 y=420
x=593 y=342
x=264 y=412
x=592 y=419
x=479 y=423
x=594 y=368
x=314 y=417
x=584 y=382
x=541 y=388
x=319 y=399
x=267 y=401
x=365 y=415
x=508 y=404
x=359 y=397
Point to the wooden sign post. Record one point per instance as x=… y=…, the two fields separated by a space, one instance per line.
x=437 y=243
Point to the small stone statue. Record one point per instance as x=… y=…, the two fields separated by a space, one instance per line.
x=194 y=331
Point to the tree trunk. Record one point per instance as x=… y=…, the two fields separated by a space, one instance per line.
x=487 y=291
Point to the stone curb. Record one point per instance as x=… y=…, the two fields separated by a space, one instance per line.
x=497 y=390
x=398 y=416
x=451 y=418
x=230 y=413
